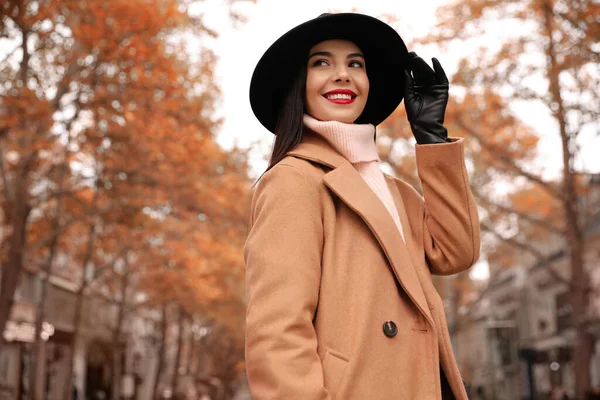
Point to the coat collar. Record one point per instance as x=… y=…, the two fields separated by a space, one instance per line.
x=350 y=187
x=316 y=148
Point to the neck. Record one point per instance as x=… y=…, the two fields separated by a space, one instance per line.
x=356 y=142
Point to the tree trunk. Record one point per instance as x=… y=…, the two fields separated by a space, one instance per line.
x=76 y=333
x=175 y=378
x=46 y=272
x=575 y=242
x=19 y=204
x=116 y=361
x=194 y=358
x=40 y=315
x=79 y=306
x=190 y=351
x=161 y=352
x=12 y=267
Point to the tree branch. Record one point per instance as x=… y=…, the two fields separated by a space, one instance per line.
x=8 y=193
x=9 y=55
x=56 y=194
x=100 y=270
x=63 y=85
x=503 y=156
x=48 y=238
x=535 y=221
x=484 y=292
x=541 y=258
x=25 y=59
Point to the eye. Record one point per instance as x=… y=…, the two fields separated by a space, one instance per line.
x=356 y=64
x=320 y=62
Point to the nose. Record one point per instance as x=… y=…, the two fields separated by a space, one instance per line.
x=341 y=74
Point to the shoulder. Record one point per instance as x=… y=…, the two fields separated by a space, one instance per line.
x=292 y=174
x=312 y=171
x=291 y=181
x=291 y=185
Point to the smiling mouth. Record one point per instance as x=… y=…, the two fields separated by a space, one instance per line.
x=340 y=98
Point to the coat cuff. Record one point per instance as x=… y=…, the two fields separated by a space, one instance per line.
x=441 y=153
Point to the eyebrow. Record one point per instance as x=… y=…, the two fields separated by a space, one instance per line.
x=328 y=54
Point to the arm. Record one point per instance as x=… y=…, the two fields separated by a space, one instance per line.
x=451 y=226
x=283 y=271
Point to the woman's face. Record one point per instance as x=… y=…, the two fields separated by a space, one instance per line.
x=337 y=85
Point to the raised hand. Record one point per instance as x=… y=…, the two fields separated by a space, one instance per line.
x=425 y=100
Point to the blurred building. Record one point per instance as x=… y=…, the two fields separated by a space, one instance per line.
x=93 y=347
x=525 y=313
x=138 y=357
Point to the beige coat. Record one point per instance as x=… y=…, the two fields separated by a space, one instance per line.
x=326 y=268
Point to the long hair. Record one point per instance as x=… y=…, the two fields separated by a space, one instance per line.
x=290 y=126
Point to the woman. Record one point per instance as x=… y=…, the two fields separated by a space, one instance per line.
x=339 y=256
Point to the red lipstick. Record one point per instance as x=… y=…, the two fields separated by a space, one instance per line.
x=340 y=96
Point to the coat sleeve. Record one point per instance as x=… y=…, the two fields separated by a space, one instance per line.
x=283 y=272
x=451 y=226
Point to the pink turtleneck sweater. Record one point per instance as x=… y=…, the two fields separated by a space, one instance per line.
x=355 y=142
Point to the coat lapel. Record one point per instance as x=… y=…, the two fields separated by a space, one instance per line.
x=411 y=244
x=408 y=235
x=351 y=188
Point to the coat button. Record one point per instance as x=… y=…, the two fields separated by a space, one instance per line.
x=390 y=329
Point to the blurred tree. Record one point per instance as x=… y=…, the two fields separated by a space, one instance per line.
x=162 y=350
x=546 y=58
x=107 y=147
x=178 y=352
x=227 y=354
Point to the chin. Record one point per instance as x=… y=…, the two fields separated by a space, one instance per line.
x=325 y=111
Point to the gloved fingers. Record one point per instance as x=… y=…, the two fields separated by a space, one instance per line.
x=439 y=72
x=409 y=86
x=424 y=75
x=408 y=81
x=412 y=99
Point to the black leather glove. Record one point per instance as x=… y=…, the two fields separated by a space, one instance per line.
x=425 y=99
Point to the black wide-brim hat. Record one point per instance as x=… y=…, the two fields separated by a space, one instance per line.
x=385 y=54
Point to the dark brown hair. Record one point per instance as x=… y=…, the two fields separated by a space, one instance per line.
x=290 y=126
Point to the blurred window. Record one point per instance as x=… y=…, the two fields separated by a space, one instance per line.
x=563 y=312
x=26 y=290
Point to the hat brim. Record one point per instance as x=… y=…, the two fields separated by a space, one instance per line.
x=385 y=54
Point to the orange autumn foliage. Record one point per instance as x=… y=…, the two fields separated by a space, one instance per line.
x=109 y=113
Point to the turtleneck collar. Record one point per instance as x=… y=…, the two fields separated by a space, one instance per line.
x=353 y=141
